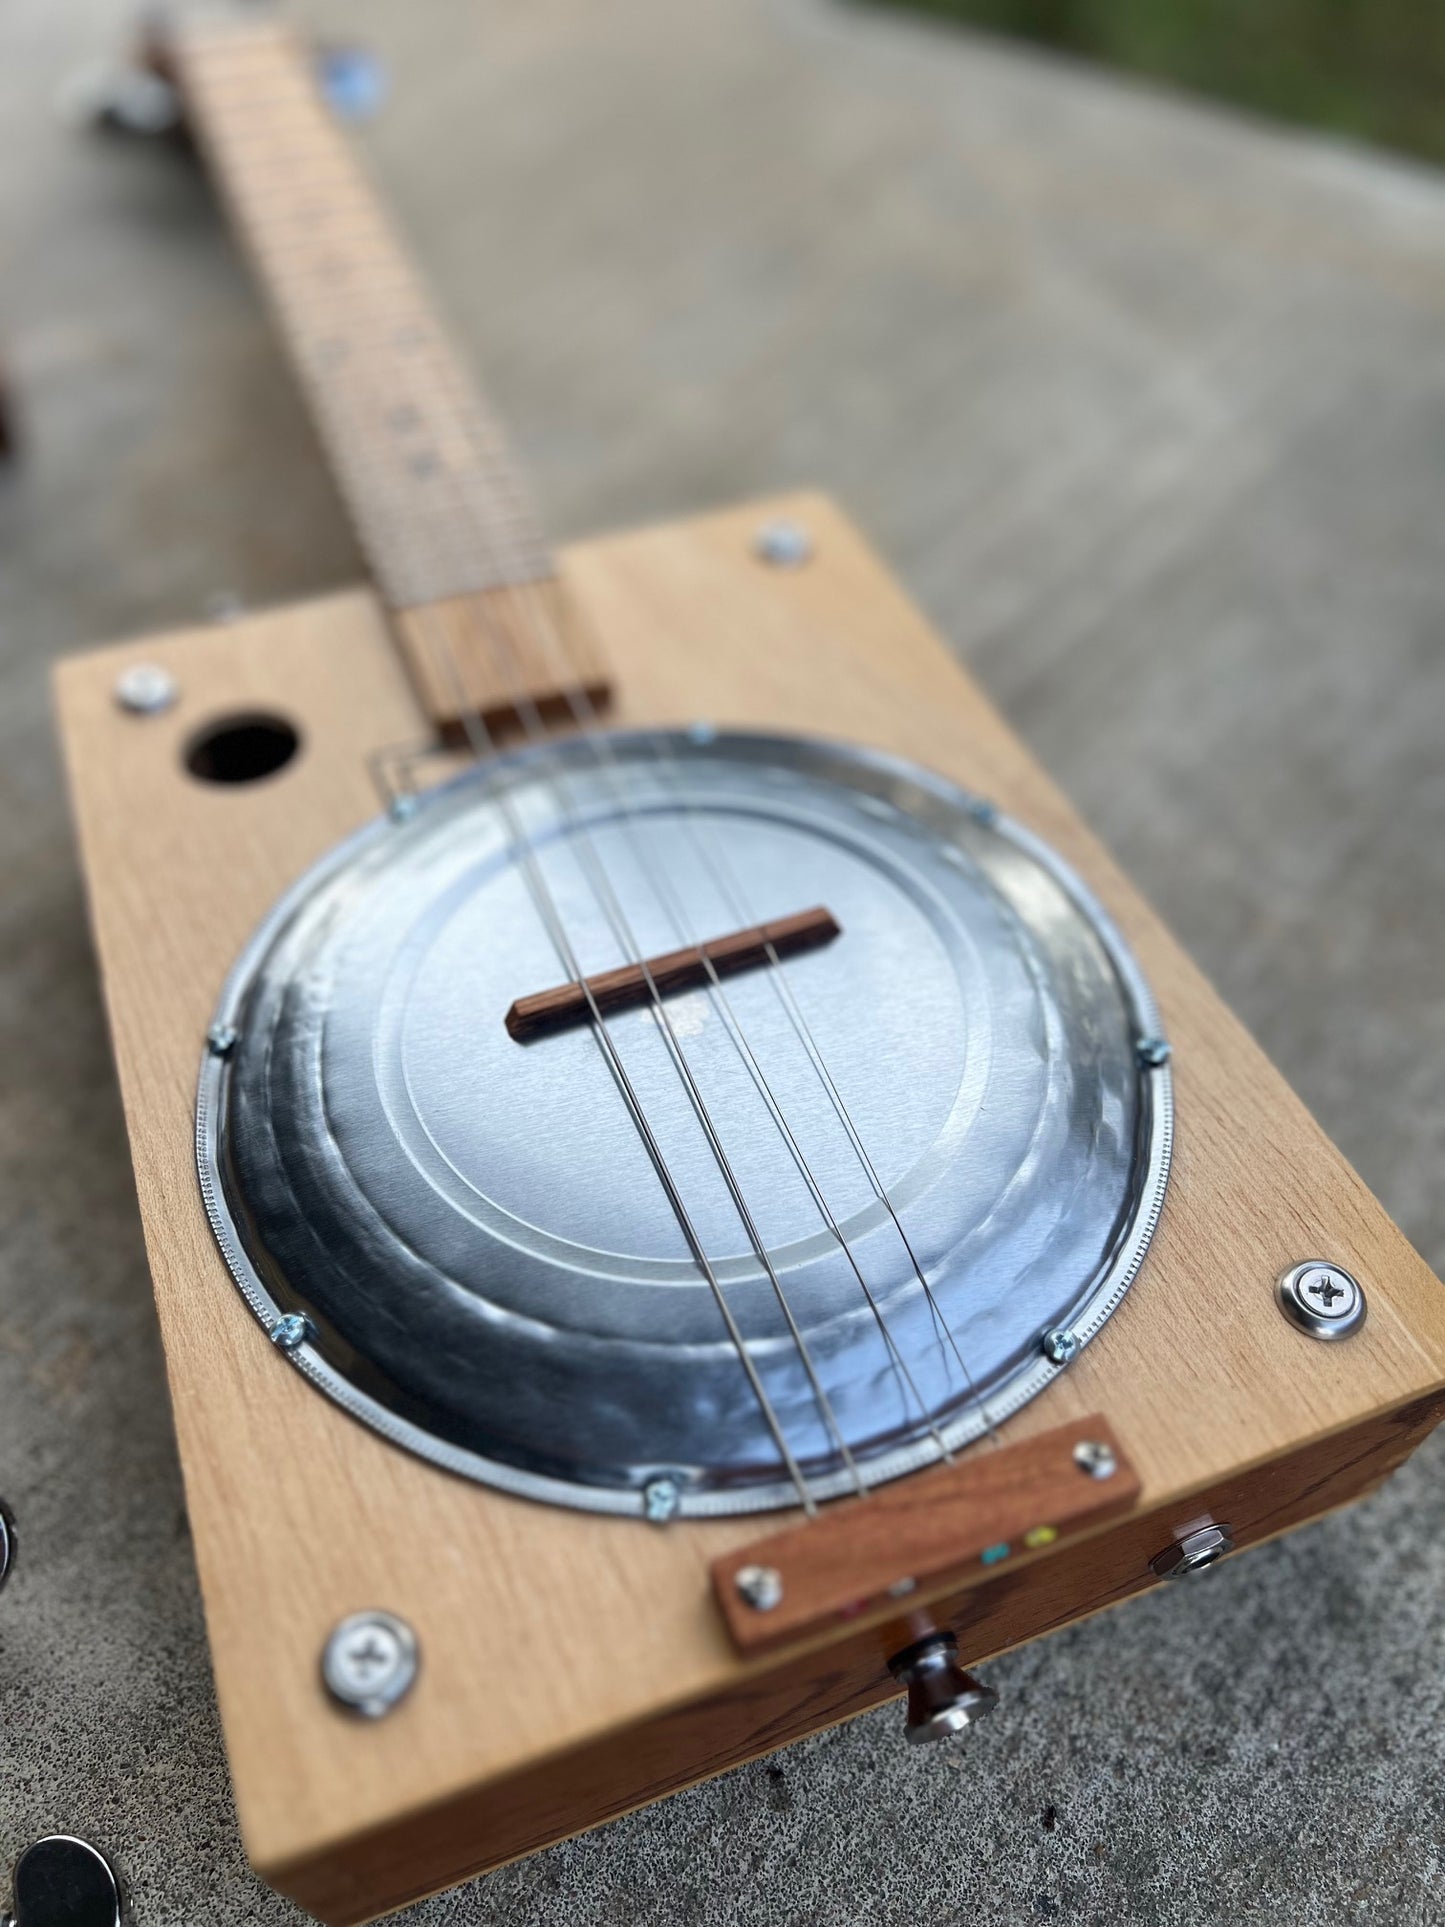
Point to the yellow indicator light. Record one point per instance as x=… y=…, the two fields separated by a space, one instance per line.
x=1041 y=1536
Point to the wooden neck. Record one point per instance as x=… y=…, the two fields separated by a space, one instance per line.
x=441 y=514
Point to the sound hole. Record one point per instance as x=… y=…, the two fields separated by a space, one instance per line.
x=242 y=749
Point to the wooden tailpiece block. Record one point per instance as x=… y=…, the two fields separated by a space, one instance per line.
x=924 y=1533
x=677 y=970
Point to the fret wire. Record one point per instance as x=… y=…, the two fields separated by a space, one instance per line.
x=423 y=533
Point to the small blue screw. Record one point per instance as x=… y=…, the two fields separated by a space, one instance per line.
x=290 y=1333
x=221 y=1039
x=1060 y=1346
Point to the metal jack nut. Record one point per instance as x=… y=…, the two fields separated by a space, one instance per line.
x=1193 y=1552
x=942 y=1698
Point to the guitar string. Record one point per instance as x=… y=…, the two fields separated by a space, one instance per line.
x=686 y=934
x=713 y=853
x=483 y=743
x=585 y=715
x=484 y=749
x=527 y=710
x=529 y=714
x=620 y=925
x=521 y=585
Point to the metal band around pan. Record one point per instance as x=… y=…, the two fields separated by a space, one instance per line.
x=890 y=783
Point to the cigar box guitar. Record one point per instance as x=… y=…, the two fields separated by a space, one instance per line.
x=707 y=1201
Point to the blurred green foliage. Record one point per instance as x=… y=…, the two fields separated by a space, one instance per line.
x=1374 y=69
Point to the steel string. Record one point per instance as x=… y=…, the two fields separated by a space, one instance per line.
x=531 y=717
x=584 y=714
x=531 y=596
x=685 y=933
x=484 y=747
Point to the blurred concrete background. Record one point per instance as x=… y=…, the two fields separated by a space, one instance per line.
x=1147 y=405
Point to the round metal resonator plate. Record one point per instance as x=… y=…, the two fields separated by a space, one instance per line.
x=473 y=1227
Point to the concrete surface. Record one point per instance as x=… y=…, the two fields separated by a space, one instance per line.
x=1148 y=406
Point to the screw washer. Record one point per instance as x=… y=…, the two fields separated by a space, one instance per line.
x=370 y=1662
x=1325 y=1301
x=1096 y=1458
x=145 y=689
x=760 y=1586
x=786 y=545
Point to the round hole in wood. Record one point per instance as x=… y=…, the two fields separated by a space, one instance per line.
x=242 y=749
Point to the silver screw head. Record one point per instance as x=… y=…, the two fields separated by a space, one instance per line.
x=983 y=812
x=1322 y=1299
x=1095 y=1458
x=661 y=1498
x=786 y=545
x=1193 y=1552
x=370 y=1662
x=145 y=689
x=1153 y=1052
x=221 y=1039
x=1060 y=1346
x=760 y=1586
x=7 y=1543
x=290 y=1333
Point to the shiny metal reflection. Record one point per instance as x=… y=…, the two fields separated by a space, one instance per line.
x=491 y=1274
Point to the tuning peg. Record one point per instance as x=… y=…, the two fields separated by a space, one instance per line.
x=942 y=1698
x=64 y=1882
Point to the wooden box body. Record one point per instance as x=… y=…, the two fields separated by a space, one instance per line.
x=575 y=1666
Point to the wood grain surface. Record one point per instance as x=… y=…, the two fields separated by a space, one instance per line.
x=760 y=944
x=919 y=1535
x=300 y=1516
x=438 y=505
